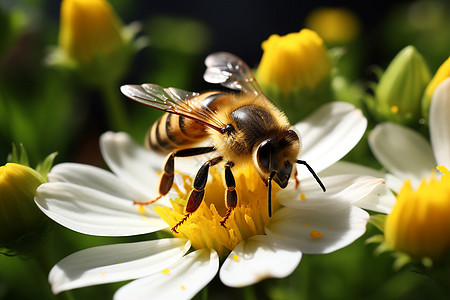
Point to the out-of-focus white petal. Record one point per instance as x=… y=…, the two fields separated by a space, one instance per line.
x=440 y=123
x=346 y=188
x=301 y=228
x=94 y=212
x=182 y=280
x=402 y=151
x=134 y=164
x=330 y=133
x=258 y=258
x=112 y=263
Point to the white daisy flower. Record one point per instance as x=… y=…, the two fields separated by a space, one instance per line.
x=406 y=154
x=305 y=220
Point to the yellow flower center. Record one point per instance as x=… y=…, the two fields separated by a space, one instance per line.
x=203 y=227
x=419 y=223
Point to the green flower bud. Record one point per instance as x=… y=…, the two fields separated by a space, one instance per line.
x=399 y=92
x=20 y=219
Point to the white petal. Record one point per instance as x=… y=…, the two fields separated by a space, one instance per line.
x=380 y=199
x=330 y=133
x=112 y=263
x=95 y=178
x=182 y=280
x=344 y=167
x=347 y=188
x=134 y=164
x=440 y=123
x=402 y=151
x=94 y=212
x=258 y=258
x=340 y=227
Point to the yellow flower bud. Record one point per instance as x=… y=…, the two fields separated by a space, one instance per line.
x=419 y=224
x=334 y=25
x=294 y=61
x=399 y=92
x=442 y=73
x=93 y=42
x=89 y=28
x=294 y=72
x=19 y=215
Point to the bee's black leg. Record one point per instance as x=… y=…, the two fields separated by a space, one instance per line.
x=198 y=191
x=231 y=195
x=166 y=181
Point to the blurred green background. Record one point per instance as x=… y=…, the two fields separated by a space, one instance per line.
x=50 y=110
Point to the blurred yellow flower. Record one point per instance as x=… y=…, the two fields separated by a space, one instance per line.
x=19 y=215
x=419 y=224
x=441 y=74
x=334 y=25
x=294 y=61
x=89 y=28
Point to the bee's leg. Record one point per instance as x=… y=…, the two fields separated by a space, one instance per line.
x=166 y=180
x=198 y=191
x=230 y=194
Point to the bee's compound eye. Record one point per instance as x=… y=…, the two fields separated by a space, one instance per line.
x=264 y=154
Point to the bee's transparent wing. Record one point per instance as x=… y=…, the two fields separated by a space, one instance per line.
x=156 y=96
x=230 y=71
x=174 y=101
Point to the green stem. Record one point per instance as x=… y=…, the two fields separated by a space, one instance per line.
x=42 y=258
x=249 y=293
x=114 y=106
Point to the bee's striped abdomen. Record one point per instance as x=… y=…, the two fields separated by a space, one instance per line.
x=172 y=131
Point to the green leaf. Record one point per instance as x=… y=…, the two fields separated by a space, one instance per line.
x=44 y=167
x=19 y=156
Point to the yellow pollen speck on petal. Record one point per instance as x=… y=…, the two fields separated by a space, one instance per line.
x=315 y=234
x=165 y=271
x=141 y=209
x=103 y=274
x=182 y=287
x=236 y=258
x=302 y=196
x=394 y=109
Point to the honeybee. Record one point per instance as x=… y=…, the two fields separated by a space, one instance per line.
x=242 y=127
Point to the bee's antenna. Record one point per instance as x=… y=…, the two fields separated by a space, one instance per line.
x=269 y=185
x=302 y=162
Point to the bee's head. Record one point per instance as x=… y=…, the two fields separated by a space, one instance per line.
x=277 y=155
